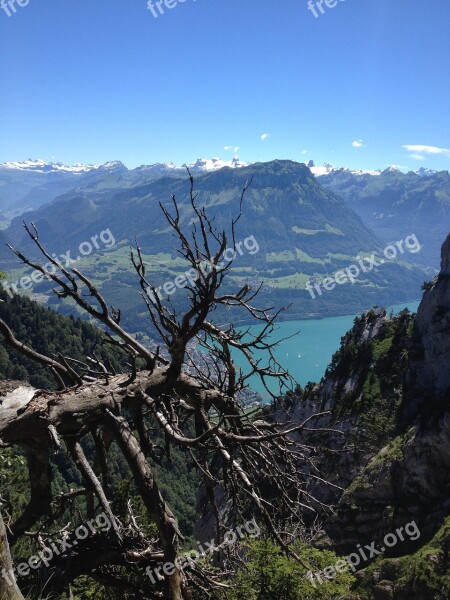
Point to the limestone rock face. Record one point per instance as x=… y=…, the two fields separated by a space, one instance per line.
x=344 y=450
x=429 y=376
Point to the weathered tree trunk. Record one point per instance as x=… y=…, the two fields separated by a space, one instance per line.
x=8 y=585
x=159 y=512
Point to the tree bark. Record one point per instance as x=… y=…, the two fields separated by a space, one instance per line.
x=8 y=585
x=158 y=510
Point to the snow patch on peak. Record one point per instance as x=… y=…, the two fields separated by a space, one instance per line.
x=158 y=167
x=112 y=165
x=424 y=172
x=204 y=165
x=392 y=169
x=366 y=172
x=319 y=171
x=40 y=166
x=201 y=165
x=328 y=168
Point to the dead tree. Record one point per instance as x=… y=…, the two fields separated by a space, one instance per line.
x=172 y=392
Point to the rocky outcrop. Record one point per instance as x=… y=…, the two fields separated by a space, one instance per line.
x=428 y=381
x=408 y=478
x=362 y=391
x=338 y=459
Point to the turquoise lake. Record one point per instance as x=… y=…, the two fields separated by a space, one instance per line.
x=307 y=355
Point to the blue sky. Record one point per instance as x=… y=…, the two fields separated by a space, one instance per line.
x=97 y=80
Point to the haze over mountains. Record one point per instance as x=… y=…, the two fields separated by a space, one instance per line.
x=308 y=222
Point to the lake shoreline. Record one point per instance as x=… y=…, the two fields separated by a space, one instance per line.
x=307 y=355
x=317 y=317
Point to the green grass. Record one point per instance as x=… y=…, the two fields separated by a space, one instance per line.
x=303 y=257
x=294 y=281
x=285 y=256
x=334 y=230
x=303 y=231
x=328 y=229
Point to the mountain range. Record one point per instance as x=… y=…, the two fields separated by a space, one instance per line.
x=328 y=169
x=29 y=184
x=302 y=232
x=394 y=204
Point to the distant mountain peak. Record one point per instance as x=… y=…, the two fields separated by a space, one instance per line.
x=214 y=164
x=112 y=164
x=392 y=169
x=328 y=168
x=424 y=172
x=40 y=166
x=201 y=165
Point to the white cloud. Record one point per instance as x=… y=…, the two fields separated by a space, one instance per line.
x=265 y=136
x=421 y=149
x=418 y=156
x=358 y=144
x=304 y=151
x=234 y=148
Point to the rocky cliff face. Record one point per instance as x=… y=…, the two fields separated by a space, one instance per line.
x=409 y=476
x=363 y=392
x=428 y=380
x=388 y=391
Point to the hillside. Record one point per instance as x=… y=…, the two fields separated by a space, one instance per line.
x=387 y=389
x=49 y=333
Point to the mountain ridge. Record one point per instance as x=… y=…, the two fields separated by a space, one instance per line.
x=26 y=185
x=394 y=203
x=198 y=166
x=302 y=232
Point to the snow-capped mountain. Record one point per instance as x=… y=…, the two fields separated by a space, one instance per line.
x=26 y=185
x=40 y=166
x=201 y=165
x=424 y=172
x=394 y=203
x=327 y=168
